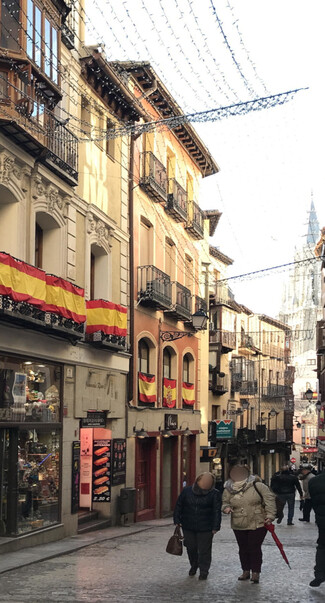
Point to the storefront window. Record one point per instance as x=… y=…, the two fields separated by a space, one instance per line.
x=29 y=391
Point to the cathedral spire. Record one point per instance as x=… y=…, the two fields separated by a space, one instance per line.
x=313 y=224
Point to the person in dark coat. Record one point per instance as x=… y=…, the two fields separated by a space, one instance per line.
x=198 y=512
x=284 y=484
x=317 y=494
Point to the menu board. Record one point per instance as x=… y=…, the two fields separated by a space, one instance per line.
x=101 y=471
x=118 y=462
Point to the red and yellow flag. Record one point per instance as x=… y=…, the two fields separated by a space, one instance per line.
x=188 y=394
x=147 y=388
x=169 y=394
x=106 y=317
x=65 y=299
x=20 y=281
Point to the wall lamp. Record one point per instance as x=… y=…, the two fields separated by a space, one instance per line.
x=186 y=432
x=199 y=323
x=140 y=433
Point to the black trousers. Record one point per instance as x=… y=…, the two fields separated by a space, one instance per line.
x=307 y=509
x=250 y=548
x=320 y=555
x=199 y=549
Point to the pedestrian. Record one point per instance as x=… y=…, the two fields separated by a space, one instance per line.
x=198 y=512
x=252 y=505
x=317 y=493
x=306 y=476
x=284 y=484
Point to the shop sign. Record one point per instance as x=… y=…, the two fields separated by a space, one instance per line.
x=86 y=451
x=208 y=453
x=101 y=478
x=95 y=418
x=75 y=475
x=171 y=421
x=119 y=462
x=224 y=429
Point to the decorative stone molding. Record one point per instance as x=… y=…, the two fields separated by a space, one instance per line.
x=99 y=232
x=13 y=175
x=48 y=198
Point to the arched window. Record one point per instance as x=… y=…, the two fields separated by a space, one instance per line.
x=167 y=363
x=186 y=367
x=143 y=355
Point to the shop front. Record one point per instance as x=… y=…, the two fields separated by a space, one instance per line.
x=30 y=444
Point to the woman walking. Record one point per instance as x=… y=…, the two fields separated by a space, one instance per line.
x=198 y=512
x=252 y=505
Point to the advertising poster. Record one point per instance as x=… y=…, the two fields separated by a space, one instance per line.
x=86 y=465
x=75 y=477
x=118 y=462
x=101 y=471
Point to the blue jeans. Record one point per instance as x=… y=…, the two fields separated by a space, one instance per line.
x=290 y=499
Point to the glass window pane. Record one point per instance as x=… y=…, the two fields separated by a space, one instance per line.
x=54 y=55
x=37 y=37
x=47 y=48
x=30 y=28
x=10 y=24
x=4 y=93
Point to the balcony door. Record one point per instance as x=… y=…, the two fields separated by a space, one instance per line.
x=145 y=478
x=145 y=243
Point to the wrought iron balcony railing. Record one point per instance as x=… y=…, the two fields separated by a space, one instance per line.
x=176 y=205
x=153 y=179
x=154 y=287
x=195 y=220
x=181 y=302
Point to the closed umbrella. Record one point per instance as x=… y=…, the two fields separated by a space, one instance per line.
x=279 y=544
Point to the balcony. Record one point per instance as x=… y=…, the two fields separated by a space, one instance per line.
x=195 y=221
x=244 y=387
x=33 y=299
x=106 y=324
x=43 y=136
x=276 y=435
x=176 y=205
x=227 y=340
x=273 y=390
x=67 y=35
x=154 y=288
x=154 y=177
x=246 y=436
x=218 y=383
x=246 y=342
x=181 y=302
x=200 y=304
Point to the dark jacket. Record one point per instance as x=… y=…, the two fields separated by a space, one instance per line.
x=198 y=510
x=284 y=483
x=317 y=494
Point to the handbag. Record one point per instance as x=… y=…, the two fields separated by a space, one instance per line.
x=279 y=511
x=175 y=543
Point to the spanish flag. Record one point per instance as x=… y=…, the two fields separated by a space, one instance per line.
x=169 y=397
x=107 y=317
x=20 y=281
x=188 y=394
x=147 y=388
x=65 y=299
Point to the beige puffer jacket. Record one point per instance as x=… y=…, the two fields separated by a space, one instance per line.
x=248 y=512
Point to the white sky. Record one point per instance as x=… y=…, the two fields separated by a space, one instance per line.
x=271 y=160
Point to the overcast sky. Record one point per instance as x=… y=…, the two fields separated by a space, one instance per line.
x=270 y=161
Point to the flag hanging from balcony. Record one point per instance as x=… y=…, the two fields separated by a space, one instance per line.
x=20 y=281
x=169 y=397
x=147 y=388
x=107 y=317
x=65 y=299
x=188 y=394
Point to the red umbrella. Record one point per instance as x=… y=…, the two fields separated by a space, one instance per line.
x=270 y=527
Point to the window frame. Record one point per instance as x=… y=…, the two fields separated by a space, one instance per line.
x=143 y=344
x=46 y=50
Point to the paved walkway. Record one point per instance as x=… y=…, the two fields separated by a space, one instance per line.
x=130 y=564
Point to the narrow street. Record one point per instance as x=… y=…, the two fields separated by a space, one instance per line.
x=136 y=568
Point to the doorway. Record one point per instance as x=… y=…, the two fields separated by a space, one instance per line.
x=169 y=475
x=145 y=478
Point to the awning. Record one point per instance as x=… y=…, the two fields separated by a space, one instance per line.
x=309 y=450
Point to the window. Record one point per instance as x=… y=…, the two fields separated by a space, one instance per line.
x=110 y=142
x=85 y=117
x=215 y=412
x=186 y=368
x=10 y=24
x=38 y=246
x=146 y=243
x=100 y=274
x=4 y=91
x=311 y=361
x=143 y=354
x=170 y=258
x=167 y=364
x=189 y=272
x=42 y=41
x=48 y=243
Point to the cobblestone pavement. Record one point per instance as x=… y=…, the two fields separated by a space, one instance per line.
x=136 y=568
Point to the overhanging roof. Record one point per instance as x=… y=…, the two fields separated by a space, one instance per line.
x=216 y=253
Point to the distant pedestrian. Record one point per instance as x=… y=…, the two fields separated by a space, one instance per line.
x=198 y=512
x=317 y=493
x=252 y=505
x=306 y=476
x=284 y=484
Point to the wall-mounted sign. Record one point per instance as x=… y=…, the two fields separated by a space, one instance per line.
x=86 y=462
x=119 y=462
x=224 y=429
x=171 y=421
x=75 y=477
x=101 y=478
x=95 y=418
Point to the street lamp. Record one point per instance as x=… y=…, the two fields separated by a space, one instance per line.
x=140 y=433
x=272 y=412
x=318 y=406
x=199 y=323
x=309 y=394
x=165 y=433
x=245 y=404
x=187 y=432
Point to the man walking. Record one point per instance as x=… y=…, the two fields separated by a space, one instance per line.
x=317 y=493
x=306 y=476
x=284 y=484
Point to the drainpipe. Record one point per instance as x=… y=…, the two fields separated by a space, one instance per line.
x=131 y=263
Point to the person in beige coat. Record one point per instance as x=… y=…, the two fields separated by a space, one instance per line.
x=252 y=505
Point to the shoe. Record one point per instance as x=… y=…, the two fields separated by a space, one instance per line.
x=316 y=582
x=305 y=520
x=255 y=578
x=192 y=571
x=245 y=576
x=279 y=520
x=203 y=576
x=290 y=524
